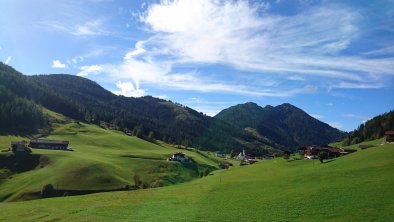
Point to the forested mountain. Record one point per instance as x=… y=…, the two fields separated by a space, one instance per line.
x=85 y=100
x=372 y=129
x=284 y=124
x=249 y=126
x=17 y=111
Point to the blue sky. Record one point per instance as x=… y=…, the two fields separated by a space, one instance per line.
x=333 y=59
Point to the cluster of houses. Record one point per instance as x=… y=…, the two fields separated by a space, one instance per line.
x=23 y=147
x=245 y=158
x=311 y=152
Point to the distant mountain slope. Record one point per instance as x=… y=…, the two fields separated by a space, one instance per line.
x=285 y=124
x=372 y=129
x=247 y=126
x=145 y=117
x=168 y=121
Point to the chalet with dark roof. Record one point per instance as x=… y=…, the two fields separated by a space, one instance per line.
x=49 y=144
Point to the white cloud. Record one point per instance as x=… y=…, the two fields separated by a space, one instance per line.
x=162 y=96
x=8 y=60
x=160 y=75
x=317 y=116
x=138 y=50
x=207 y=110
x=193 y=34
x=76 y=59
x=128 y=89
x=383 y=51
x=87 y=70
x=57 y=64
x=237 y=34
x=355 y=85
x=336 y=125
x=80 y=58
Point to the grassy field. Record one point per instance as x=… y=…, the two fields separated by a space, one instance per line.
x=357 y=187
x=103 y=159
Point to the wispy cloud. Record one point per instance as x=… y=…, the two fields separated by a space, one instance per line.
x=317 y=116
x=336 y=125
x=358 y=85
x=210 y=108
x=383 y=51
x=87 y=70
x=137 y=51
x=89 y=28
x=57 y=64
x=305 y=48
x=80 y=58
x=297 y=47
x=354 y=116
x=8 y=60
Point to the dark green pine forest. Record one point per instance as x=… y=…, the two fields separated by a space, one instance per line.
x=245 y=126
x=372 y=129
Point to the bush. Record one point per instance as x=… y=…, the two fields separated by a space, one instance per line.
x=322 y=155
x=144 y=185
x=157 y=183
x=47 y=191
x=137 y=180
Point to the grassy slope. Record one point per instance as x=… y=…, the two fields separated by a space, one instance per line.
x=96 y=162
x=357 y=187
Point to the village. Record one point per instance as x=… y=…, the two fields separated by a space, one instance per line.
x=306 y=152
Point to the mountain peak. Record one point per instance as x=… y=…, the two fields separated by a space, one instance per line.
x=284 y=124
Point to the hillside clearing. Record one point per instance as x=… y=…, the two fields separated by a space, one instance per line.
x=99 y=162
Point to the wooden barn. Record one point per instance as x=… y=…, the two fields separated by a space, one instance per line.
x=389 y=136
x=49 y=144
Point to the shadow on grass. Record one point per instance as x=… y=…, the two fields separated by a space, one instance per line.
x=329 y=161
x=143 y=157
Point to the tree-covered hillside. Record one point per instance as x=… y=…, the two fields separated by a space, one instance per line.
x=86 y=101
x=372 y=129
x=247 y=126
x=284 y=124
x=17 y=112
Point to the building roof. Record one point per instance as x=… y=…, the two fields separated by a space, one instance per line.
x=389 y=133
x=49 y=141
x=335 y=150
x=17 y=143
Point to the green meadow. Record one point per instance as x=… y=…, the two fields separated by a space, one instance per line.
x=356 y=187
x=102 y=159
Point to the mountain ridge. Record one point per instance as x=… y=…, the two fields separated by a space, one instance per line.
x=85 y=100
